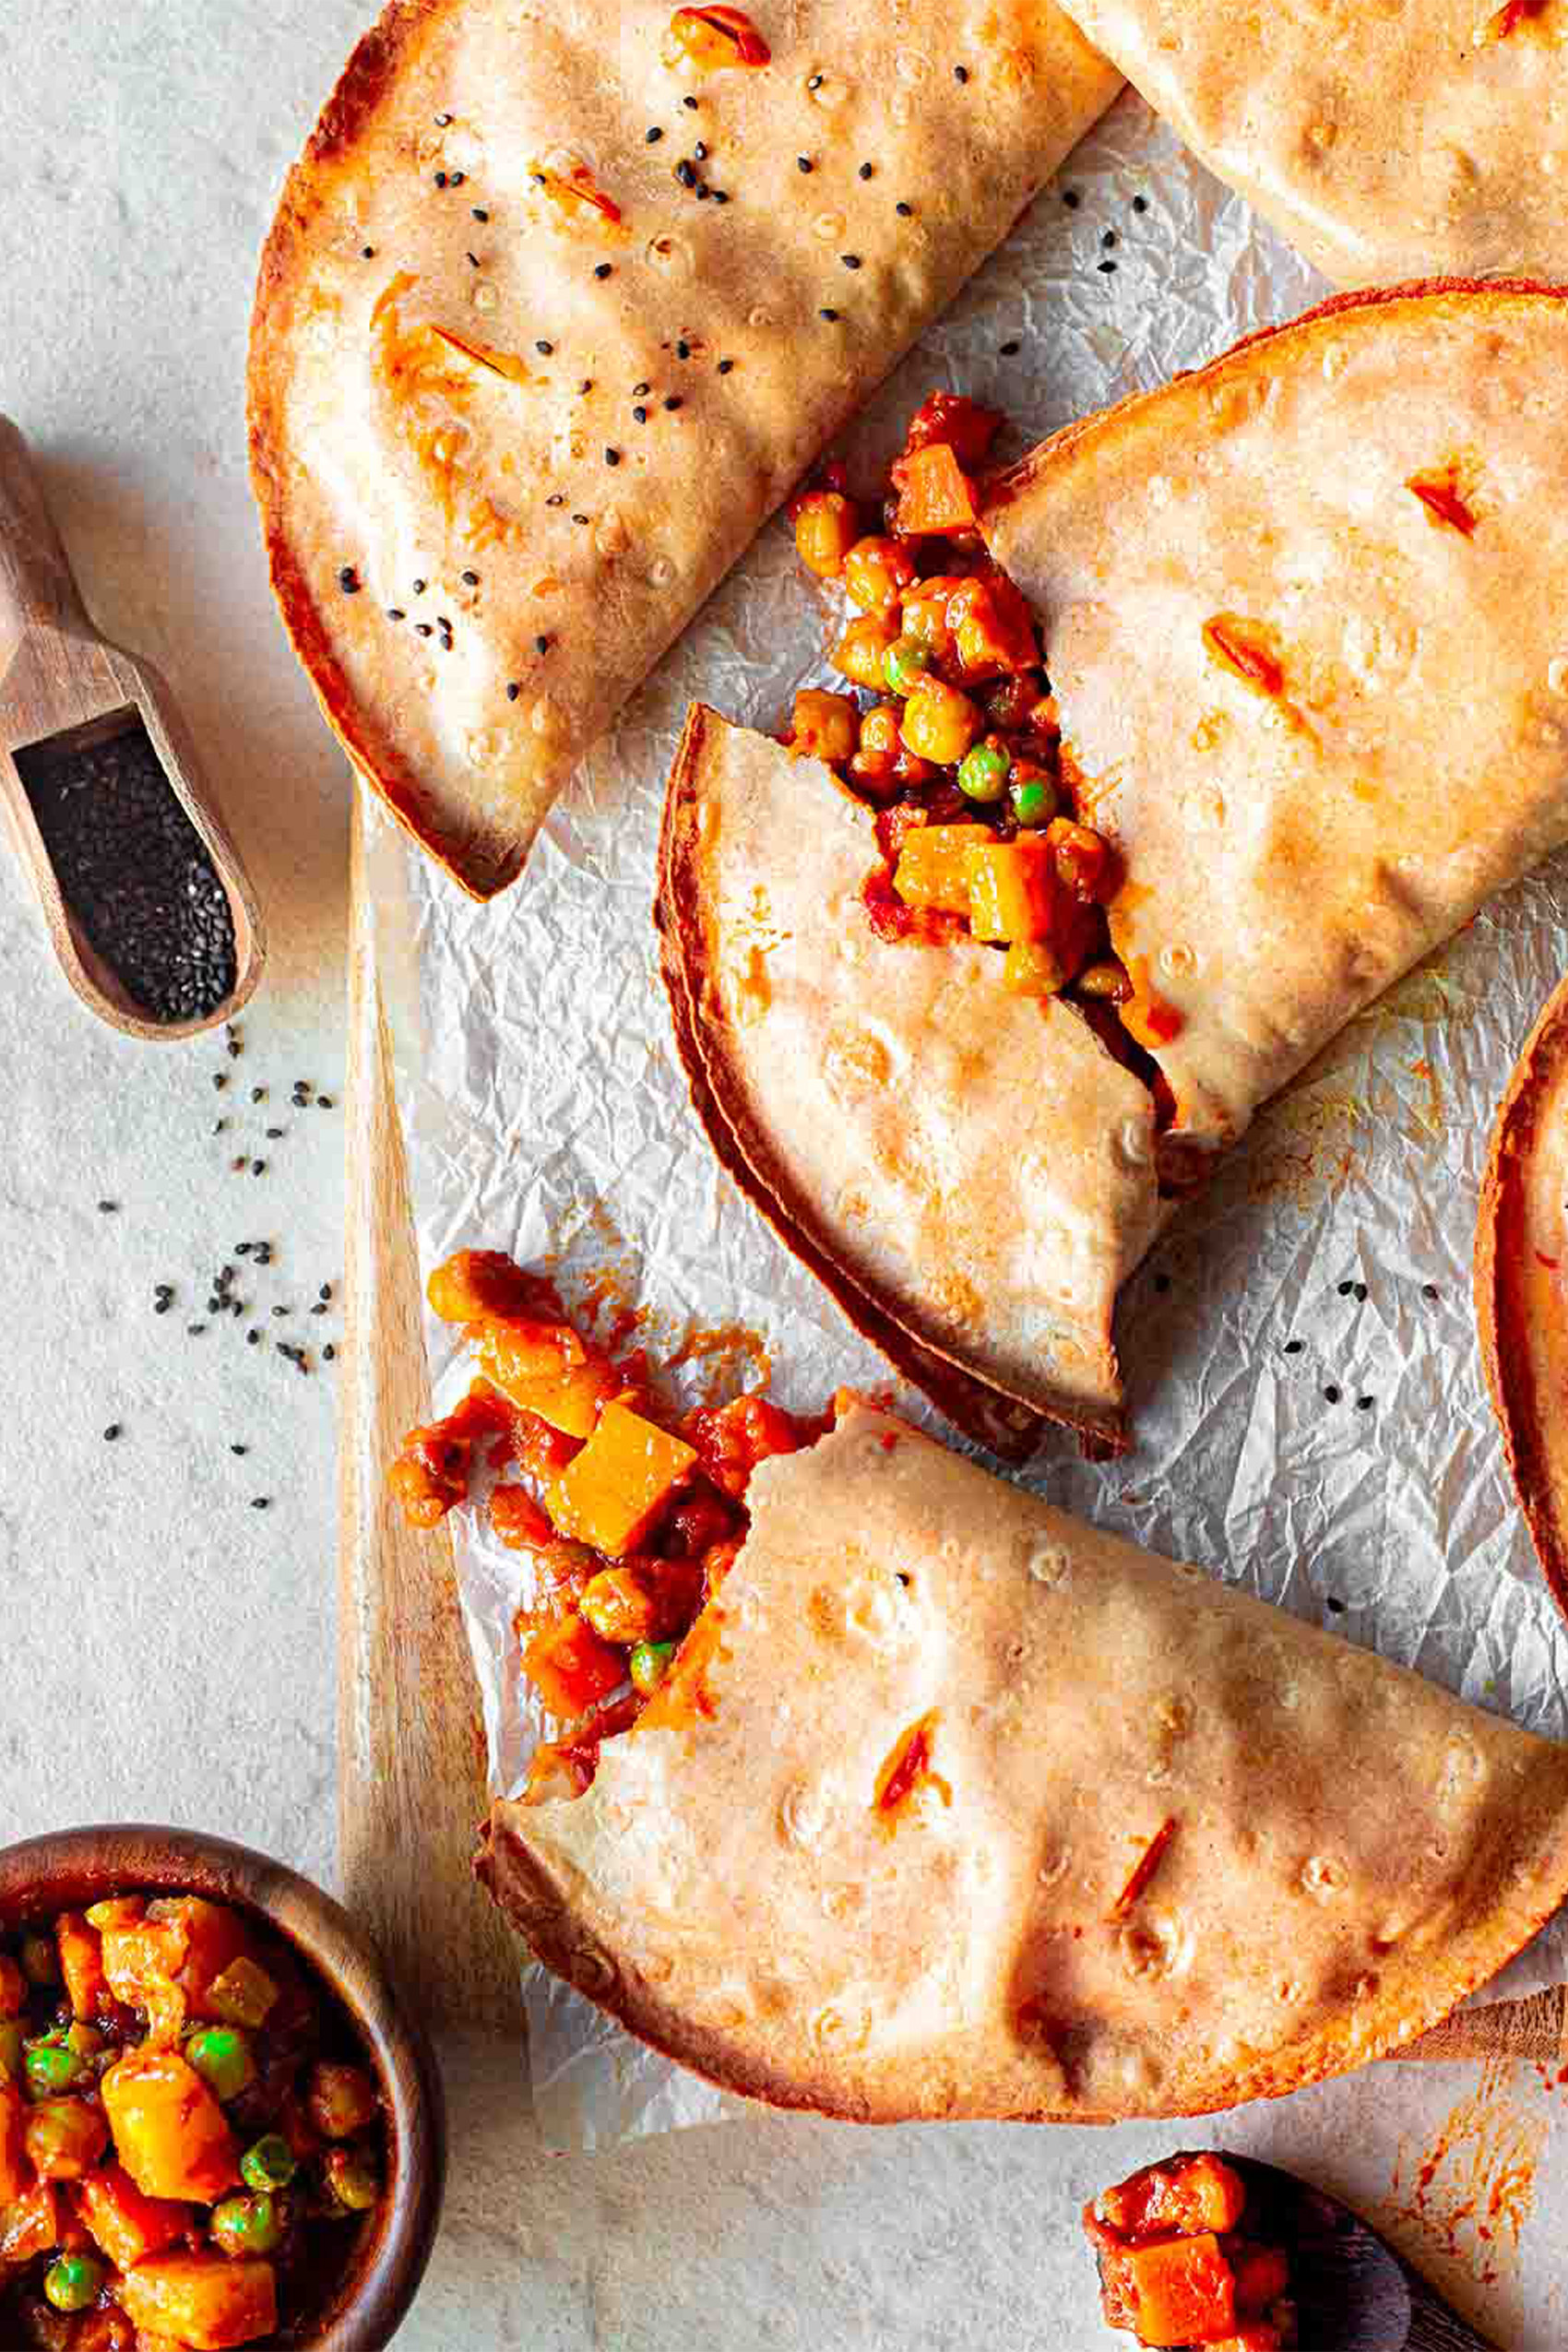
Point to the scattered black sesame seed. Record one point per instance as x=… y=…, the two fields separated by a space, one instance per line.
x=866 y=171
x=239 y=1449
x=258 y=1094
x=673 y=401
x=1362 y=1293
x=612 y=457
x=474 y=260
x=114 y=1429
x=457 y=178
x=280 y=1315
x=653 y=135
x=556 y=498
x=639 y=415
x=700 y=151
x=107 y=1208
x=725 y=366
x=603 y=268
x=242 y=1248
x=194 y=1330
x=1109 y=239
x=275 y=1135
x=541 y=644
x=396 y=612
x=234 y=1049
x=419 y=586
x=686 y=173
x=682 y=349
x=1430 y=1291
x=1331 y=1395
x=829 y=314
x=580 y=519
x=1294 y=1347
x=444 y=122
x=1009 y=350
x=905 y=211
x=261 y=1502
x=259 y=1168
x=220 y=1126
x=220 y=1080
x=367 y=253
x=960 y=73
x=324 y=1293
x=513 y=690
x=1071 y=198
x=348 y=580
x=479 y=213
x=324 y=1102
x=851 y=260
x=816 y=81
x=803 y=164
x=1346 y=1289
x=1365 y=1404
x=1140 y=204
x=253 y=1339
x=1335 y=1606
x=423 y=629
x=718 y=196
x=329 y=1355
x=441 y=179
x=543 y=347
x=470 y=579
x=1106 y=268
x=319 y=1309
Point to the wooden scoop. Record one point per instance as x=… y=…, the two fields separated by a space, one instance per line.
x=64 y=688
x=1352 y=2291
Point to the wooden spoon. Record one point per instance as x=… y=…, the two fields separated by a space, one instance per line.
x=1353 y=2292
x=65 y=687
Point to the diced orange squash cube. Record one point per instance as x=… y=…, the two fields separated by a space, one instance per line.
x=1183 y=2291
x=547 y=1370
x=243 y=1994
x=934 y=493
x=204 y=2300
x=1034 y=968
x=571 y=1669
x=611 y=1495
x=30 y=2225
x=170 y=2131
x=1012 y=889
x=933 y=869
x=14 y=2171
x=81 y=1963
x=124 y=2224
x=992 y=627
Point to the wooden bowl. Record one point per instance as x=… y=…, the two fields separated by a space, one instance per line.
x=75 y=1867
x=1521 y=1283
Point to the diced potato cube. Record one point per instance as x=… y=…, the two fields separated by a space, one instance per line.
x=1012 y=889
x=548 y=1370
x=64 y=2138
x=826 y=527
x=168 y=2130
x=827 y=726
x=994 y=628
x=14 y=2171
x=202 y=2299
x=141 y=1960
x=81 y=1963
x=933 y=869
x=1184 y=2291
x=243 y=1994
x=125 y=2225
x=571 y=1669
x=1034 y=968
x=934 y=493
x=29 y=2225
x=620 y=1482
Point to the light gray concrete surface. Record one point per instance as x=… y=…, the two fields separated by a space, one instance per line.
x=166 y=1651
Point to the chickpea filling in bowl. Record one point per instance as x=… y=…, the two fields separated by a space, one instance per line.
x=954 y=737
x=633 y=1511
x=188 y=2132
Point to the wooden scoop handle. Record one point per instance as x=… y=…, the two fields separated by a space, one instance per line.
x=1536 y=2028
x=36 y=585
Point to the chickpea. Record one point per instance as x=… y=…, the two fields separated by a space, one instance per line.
x=877 y=571
x=643 y=1600
x=826 y=726
x=940 y=723
x=863 y=644
x=1083 y=858
x=874 y=766
x=925 y=617
x=826 y=527
x=1107 y=980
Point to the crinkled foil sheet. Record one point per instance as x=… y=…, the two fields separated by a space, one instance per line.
x=1300 y=1349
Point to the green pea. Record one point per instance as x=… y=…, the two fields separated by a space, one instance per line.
x=53 y=2066
x=221 y=2055
x=982 y=772
x=247 y=2225
x=269 y=2165
x=72 y=2283
x=11 y=2048
x=351 y=2180
x=1034 y=801
x=650 y=1664
x=40 y=1962
x=905 y=659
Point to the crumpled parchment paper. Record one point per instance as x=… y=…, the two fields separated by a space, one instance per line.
x=1332 y=1450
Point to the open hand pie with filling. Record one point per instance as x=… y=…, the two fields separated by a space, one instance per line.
x=1198 y=727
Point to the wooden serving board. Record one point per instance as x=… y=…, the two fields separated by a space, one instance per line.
x=412 y=1753
x=411 y=1739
